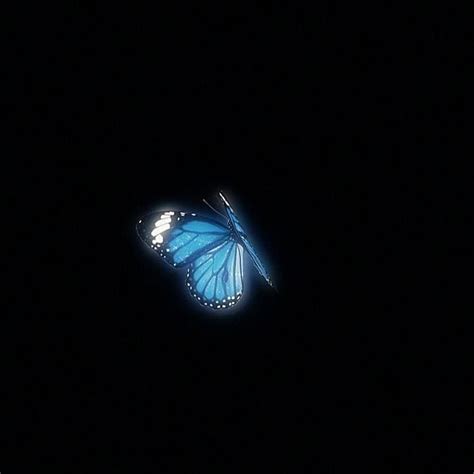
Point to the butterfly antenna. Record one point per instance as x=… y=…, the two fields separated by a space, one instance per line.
x=217 y=212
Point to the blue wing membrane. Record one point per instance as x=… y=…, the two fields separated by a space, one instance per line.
x=181 y=237
x=215 y=278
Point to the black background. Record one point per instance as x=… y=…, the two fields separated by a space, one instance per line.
x=311 y=121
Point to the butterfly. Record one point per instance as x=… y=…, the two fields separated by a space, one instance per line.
x=211 y=252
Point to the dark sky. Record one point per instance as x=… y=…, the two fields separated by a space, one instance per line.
x=303 y=118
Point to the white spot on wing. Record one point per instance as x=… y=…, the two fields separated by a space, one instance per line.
x=160 y=229
x=164 y=219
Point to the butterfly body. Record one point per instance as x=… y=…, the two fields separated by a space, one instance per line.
x=211 y=251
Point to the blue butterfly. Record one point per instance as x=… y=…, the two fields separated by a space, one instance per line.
x=211 y=252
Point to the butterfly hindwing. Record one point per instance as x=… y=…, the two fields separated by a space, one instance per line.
x=180 y=237
x=215 y=278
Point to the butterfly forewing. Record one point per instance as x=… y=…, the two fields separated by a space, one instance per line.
x=239 y=230
x=181 y=237
x=255 y=259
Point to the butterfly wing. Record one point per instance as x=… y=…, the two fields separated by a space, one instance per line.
x=232 y=216
x=215 y=278
x=237 y=226
x=256 y=260
x=181 y=237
